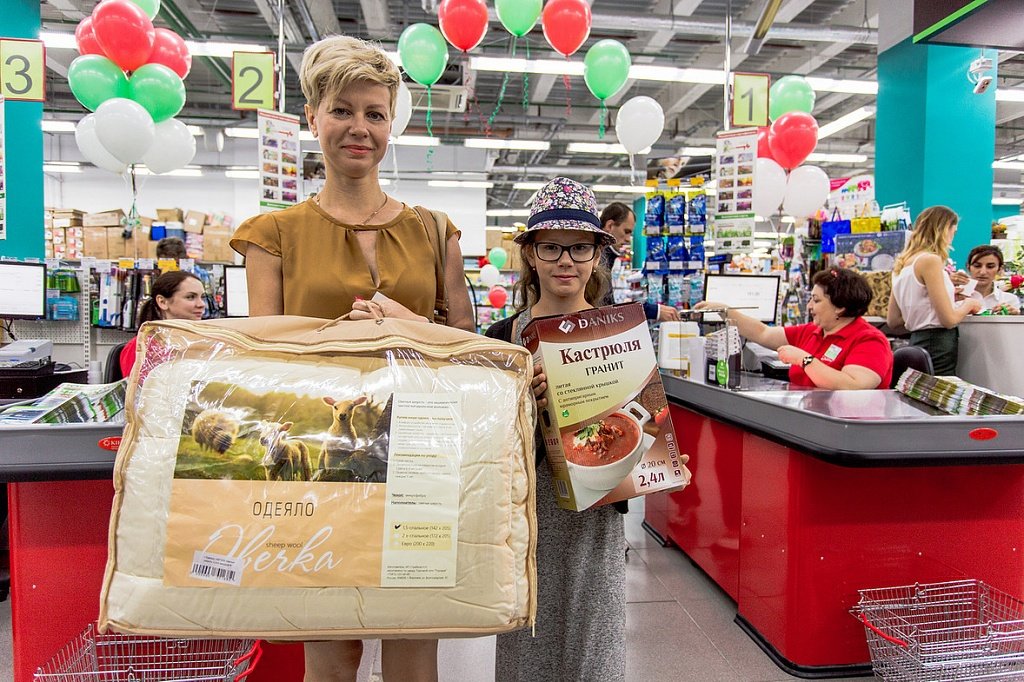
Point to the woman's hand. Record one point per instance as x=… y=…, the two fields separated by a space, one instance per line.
x=704 y=305
x=1006 y=309
x=382 y=306
x=667 y=313
x=959 y=278
x=540 y=384
x=791 y=355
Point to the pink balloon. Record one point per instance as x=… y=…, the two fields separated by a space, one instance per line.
x=85 y=39
x=170 y=50
x=498 y=296
x=124 y=32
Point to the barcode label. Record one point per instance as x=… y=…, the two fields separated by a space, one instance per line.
x=561 y=489
x=216 y=568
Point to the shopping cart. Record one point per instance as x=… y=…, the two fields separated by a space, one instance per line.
x=958 y=630
x=92 y=657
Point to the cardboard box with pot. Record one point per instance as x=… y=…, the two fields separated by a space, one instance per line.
x=607 y=430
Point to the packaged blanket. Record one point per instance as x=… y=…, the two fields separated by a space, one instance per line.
x=284 y=478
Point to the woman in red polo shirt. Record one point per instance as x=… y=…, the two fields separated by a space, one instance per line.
x=838 y=349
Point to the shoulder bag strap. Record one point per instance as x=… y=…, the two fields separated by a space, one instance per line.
x=436 y=225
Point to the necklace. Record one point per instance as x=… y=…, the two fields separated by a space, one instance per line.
x=369 y=217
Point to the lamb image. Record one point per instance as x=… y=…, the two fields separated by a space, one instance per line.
x=215 y=429
x=286 y=459
x=356 y=447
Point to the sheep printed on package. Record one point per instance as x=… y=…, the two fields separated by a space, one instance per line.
x=291 y=479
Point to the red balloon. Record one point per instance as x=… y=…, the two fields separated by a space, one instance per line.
x=463 y=22
x=792 y=138
x=124 y=32
x=498 y=296
x=86 y=39
x=763 y=150
x=566 y=24
x=170 y=50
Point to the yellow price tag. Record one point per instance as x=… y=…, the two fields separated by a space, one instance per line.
x=126 y=263
x=750 y=99
x=22 y=69
x=252 y=80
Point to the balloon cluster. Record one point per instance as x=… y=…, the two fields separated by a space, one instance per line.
x=130 y=75
x=782 y=147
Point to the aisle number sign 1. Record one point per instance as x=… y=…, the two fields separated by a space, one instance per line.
x=252 y=80
x=22 y=69
x=750 y=99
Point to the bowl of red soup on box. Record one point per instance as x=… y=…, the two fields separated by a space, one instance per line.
x=601 y=454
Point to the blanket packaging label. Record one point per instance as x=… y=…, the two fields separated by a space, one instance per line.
x=300 y=499
x=607 y=430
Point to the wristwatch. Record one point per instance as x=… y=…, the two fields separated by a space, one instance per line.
x=806 y=361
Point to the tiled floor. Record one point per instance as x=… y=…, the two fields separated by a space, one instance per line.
x=680 y=628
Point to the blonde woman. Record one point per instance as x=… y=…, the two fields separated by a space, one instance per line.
x=331 y=254
x=922 y=300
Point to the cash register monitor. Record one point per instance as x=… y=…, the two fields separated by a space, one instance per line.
x=236 y=293
x=758 y=294
x=22 y=291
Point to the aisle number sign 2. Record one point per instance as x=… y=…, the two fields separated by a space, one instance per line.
x=22 y=69
x=252 y=80
x=750 y=99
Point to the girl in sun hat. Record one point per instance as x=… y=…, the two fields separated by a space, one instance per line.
x=581 y=566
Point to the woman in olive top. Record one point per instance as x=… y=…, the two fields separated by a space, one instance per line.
x=329 y=255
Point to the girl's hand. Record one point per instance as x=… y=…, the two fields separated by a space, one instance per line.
x=540 y=384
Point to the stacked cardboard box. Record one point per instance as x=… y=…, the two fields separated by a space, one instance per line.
x=206 y=235
x=500 y=238
x=62 y=233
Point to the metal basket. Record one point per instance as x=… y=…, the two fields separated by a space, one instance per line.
x=958 y=630
x=92 y=657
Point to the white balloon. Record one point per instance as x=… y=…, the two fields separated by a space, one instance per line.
x=806 y=191
x=769 y=187
x=640 y=123
x=94 y=152
x=489 y=275
x=403 y=110
x=173 y=147
x=124 y=128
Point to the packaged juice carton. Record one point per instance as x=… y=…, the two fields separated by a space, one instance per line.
x=607 y=430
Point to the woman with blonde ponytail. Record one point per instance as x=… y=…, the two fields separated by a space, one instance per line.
x=922 y=300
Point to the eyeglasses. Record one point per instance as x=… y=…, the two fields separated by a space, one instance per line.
x=552 y=252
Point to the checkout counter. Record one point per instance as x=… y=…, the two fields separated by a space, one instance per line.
x=801 y=497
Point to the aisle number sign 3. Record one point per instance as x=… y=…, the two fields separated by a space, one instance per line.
x=252 y=80
x=22 y=69
x=750 y=99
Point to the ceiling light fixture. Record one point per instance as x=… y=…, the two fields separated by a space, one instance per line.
x=528 y=186
x=600 y=148
x=490 y=143
x=621 y=189
x=179 y=173
x=61 y=167
x=1009 y=95
x=845 y=121
x=465 y=184
x=837 y=158
x=238 y=174
x=243 y=133
x=1006 y=201
x=53 y=126
x=66 y=41
x=508 y=212
x=1008 y=165
x=416 y=141
x=696 y=151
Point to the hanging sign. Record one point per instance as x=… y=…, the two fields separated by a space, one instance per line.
x=279 y=160
x=3 y=174
x=750 y=99
x=734 y=165
x=252 y=80
x=22 y=69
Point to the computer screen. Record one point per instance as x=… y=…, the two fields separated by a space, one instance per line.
x=22 y=290
x=759 y=294
x=236 y=293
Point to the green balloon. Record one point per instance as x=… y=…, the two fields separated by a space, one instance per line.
x=606 y=68
x=790 y=93
x=424 y=53
x=94 y=79
x=158 y=89
x=498 y=257
x=518 y=16
x=150 y=7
